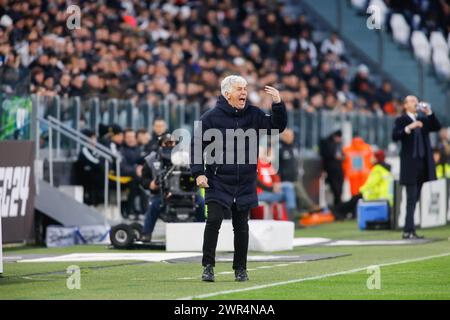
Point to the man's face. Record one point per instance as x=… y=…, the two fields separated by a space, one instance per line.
x=238 y=96
x=143 y=138
x=437 y=157
x=93 y=140
x=338 y=139
x=117 y=138
x=411 y=103
x=130 y=139
x=159 y=127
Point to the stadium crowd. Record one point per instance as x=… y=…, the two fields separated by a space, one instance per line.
x=179 y=50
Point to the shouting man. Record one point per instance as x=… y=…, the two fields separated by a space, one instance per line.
x=230 y=186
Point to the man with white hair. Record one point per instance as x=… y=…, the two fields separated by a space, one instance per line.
x=230 y=188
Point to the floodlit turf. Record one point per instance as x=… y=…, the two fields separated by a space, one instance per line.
x=428 y=279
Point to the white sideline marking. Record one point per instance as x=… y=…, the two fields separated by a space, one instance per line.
x=86 y=257
x=274 y=284
x=300 y=242
x=369 y=242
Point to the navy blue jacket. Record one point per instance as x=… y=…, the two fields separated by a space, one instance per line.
x=234 y=183
x=408 y=164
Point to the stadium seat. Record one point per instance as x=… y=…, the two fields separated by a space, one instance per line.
x=359 y=4
x=438 y=42
x=400 y=29
x=421 y=47
x=441 y=62
x=383 y=10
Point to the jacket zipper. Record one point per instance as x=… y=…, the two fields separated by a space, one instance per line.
x=237 y=185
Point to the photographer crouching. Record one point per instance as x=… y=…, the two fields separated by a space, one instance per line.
x=156 y=174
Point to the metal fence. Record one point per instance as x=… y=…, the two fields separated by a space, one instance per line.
x=80 y=114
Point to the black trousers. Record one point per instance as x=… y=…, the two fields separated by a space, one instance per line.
x=413 y=196
x=336 y=181
x=216 y=213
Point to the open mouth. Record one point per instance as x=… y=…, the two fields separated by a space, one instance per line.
x=242 y=100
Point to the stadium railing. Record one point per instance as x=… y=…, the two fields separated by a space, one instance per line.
x=76 y=136
x=309 y=127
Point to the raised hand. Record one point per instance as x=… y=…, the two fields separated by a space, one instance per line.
x=274 y=93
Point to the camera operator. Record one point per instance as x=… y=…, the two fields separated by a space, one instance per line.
x=154 y=166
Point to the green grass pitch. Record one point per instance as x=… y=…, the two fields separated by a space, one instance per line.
x=406 y=272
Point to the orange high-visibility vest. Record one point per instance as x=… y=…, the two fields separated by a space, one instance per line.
x=357 y=163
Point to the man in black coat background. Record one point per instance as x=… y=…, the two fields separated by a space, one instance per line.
x=230 y=188
x=416 y=158
x=331 y=154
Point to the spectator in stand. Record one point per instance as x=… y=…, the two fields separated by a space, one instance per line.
x=143 y=140
x=361 y=84
x=385 y=94
x=155 y=51
x=334 y=45
x=158 y=130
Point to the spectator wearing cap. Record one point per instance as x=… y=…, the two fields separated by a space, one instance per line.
x=361 y=84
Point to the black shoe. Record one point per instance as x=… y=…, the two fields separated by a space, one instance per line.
x=146 y=238
x=208 y=274
x=411 y=236
x=241 y=275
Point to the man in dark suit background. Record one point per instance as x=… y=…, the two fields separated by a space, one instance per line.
x=416 y=158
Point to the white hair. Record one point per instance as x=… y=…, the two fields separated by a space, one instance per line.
x=227 y=83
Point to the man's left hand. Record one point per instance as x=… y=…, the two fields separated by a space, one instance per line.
x=274 y=93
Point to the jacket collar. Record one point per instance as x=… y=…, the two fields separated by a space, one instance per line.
x=223 y=104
